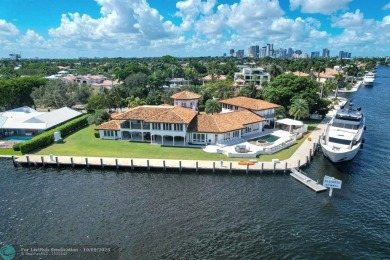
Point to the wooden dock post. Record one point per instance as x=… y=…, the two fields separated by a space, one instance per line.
x=274 y=167
x=101 y=163
x=247 y=168
x=72 y=162
x=164 y=168
x=28 y=160
x=43 y=161
x=310 y=154
x=180 y=169
x=58 y=164
x=213 y=167
x=147 y=164
x=132 y=165
x=86 y=162
x=230 y=168
x=307 y=160
x=14 y=162
x=299 y=164
x=285 y=168
x=197 y=166
x=116 y=163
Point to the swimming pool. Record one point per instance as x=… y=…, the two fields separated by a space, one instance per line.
x=17 y=138
x=266 y=138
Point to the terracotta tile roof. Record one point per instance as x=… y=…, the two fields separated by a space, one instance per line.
x=224 y=122
x=300 y=74
x=110 y=125
x=249 y=103
x=184 y=95
x=162 y=114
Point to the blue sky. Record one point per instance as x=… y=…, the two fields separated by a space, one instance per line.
x=148 y=28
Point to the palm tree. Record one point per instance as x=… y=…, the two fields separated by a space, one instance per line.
x=274 y=71
x=299 y=108
x=339 y=78
x=319 y=67
x=213 y=106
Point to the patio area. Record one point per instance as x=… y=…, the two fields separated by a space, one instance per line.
x=251 y=149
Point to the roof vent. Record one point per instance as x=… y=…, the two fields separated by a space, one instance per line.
x=26 y=109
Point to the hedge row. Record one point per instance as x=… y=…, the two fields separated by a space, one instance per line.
x=47 y=137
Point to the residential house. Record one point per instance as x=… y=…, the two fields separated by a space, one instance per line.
x=181 y=124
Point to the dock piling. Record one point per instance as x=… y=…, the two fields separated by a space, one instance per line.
x=285 y=168
x=72 y=162
x=230 y=168
x=58 y=164
x=14 y=162
x=86 y=162
x=132 y=164
x=299 y=164
x=180 y=169
x=43 y=161
x=247 y=168
x=262 y=168
x=101 y=163
x=148 y=165
x=164 y=168
x=116 y=163
x=274 y=167
x=213 y=167
x=197 y=166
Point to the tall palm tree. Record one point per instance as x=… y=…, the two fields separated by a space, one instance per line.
x=339 y=78
x=319 y=67
x=274 y=71
x=299 y=108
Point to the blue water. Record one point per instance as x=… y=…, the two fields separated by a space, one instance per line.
x=212 y=216
x=18 y=138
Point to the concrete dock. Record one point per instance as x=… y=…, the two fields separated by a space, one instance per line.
x=302 y=156
x=306 y=180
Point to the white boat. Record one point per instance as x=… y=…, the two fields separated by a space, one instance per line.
x=343 y=137
x=369 y=79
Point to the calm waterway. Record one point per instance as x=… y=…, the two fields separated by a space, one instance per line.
x=189 y=216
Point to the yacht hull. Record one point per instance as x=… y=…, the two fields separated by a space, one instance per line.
x=339 y=155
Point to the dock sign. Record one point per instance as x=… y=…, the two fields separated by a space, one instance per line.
x=331 y=182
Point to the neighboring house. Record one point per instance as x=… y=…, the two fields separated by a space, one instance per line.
x=252 y=75
x=181 y=124
x=27 y=121
x=95 y=81
x=259 y=107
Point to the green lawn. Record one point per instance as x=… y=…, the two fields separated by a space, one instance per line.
x=83 y=143
x=9 y=151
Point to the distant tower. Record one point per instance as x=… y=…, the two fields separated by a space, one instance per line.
x=325 y=53
x=231 y=52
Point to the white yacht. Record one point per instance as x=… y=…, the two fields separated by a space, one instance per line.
x=368 y=79
x=343 y=136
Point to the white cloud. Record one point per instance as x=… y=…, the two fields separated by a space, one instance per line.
x=190 y=11
x=349 y=20
x=386 y=7
x=7 y=28
x=319 y=6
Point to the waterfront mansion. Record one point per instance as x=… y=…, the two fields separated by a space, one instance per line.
x=182 y=124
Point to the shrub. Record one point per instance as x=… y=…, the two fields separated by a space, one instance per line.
x=16 y=147
x=97 y=135
x=47 y=137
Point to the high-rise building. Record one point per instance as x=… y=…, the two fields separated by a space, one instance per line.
x=253 y=51
x=299 y=52
x=290 y=52
x=315 y=54
x=325 y=53
x=263 y=52
x=14 y=56
x=240 y=54
x=270 y=50
x=344 y=54
x=231 y=52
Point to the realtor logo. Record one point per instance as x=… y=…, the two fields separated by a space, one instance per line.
x=7 y=252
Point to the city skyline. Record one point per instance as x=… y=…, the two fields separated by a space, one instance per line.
x=150 y=28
